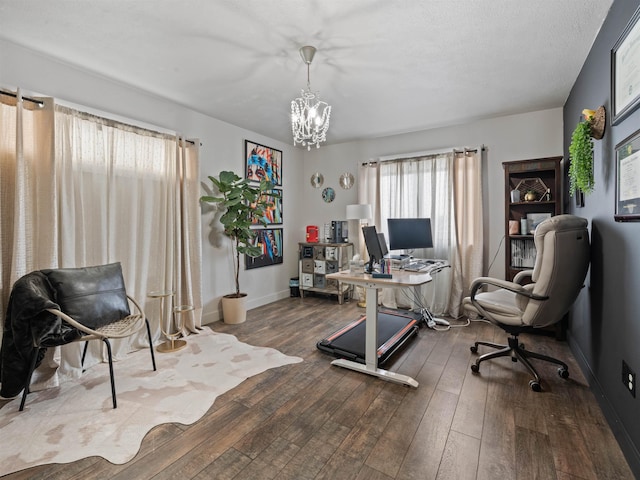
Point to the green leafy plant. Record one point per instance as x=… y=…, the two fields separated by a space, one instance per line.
x=242 y=205
x=581 y=159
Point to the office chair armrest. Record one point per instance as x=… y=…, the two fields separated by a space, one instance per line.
x=522 y=276
x=480 y=282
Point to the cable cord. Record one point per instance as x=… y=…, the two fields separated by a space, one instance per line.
x=496 y=255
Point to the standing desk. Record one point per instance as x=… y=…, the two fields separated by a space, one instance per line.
x=372 y=285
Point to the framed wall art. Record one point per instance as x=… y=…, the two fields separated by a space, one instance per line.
x=262 y=162
x=328 y=194
x=628 y=179
x=273 y=213
x=625 y=71
x=270 y=241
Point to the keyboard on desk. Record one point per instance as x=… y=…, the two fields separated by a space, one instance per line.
x=416 y=267
x=425 y=266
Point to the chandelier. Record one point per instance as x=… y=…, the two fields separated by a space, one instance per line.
x=309 y=115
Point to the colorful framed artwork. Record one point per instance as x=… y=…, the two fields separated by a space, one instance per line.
x=270 y=242
x=628 y=179
x=625 y=71
x=273 y=213
x=262 y=162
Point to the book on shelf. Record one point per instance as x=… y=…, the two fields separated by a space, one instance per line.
x=523 y=253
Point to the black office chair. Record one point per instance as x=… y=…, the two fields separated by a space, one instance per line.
x=562 y=260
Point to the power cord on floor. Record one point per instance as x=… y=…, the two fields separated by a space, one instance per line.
x=450 y=326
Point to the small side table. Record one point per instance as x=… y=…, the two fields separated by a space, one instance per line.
x=172 y=343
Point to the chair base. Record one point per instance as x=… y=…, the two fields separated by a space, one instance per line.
x=517 y=352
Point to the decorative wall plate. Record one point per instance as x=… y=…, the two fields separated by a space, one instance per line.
x=328 y=194
x=317 y=180
x=346 y=180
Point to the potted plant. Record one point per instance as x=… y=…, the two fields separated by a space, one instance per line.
x=242 y=205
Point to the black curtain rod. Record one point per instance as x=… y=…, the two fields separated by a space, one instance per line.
x=375 y=162
x=28 y=99
x=41 y=104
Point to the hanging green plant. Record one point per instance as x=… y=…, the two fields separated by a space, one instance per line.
x=581 y=159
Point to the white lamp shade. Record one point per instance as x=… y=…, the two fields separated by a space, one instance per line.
x=359 y=212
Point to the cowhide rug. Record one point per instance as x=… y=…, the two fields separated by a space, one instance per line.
x=77 y=419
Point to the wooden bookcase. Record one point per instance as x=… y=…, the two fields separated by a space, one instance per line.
x=543 y=177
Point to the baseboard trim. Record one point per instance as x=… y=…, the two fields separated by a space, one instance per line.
x=627 y=446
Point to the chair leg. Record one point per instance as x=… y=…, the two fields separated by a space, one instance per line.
x=488 y=344
x=546 y=358
x=84 y=354
x=32 y=367
x=153 y=358
x=535 y=382
x=113 y=383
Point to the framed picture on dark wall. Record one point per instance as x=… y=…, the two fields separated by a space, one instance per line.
x=270 y=242
x=628 y=179
x=625 y=71
x=262 y=162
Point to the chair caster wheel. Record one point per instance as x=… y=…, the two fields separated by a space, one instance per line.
x=474 y=349
x=563 y=372
x=535 y=386
x=475 y=368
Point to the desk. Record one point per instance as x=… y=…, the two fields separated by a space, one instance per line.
x=371 y=286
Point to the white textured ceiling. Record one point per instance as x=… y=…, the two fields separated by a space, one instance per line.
x=385 y=66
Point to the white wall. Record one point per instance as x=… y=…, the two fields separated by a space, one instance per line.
x=532 y=135
x=222 y=149
x=514 y=137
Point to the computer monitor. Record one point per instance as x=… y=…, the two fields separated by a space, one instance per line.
x=373 y=246
x=383 y=244
x=409 y=233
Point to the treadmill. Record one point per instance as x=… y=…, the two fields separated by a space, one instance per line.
x=395 y=329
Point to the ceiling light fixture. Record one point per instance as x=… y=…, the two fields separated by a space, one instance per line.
x=309 y=115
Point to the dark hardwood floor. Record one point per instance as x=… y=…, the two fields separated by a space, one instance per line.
x=316 y=421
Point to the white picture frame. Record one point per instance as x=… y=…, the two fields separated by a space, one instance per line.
x=535 y=219
x=625 y=71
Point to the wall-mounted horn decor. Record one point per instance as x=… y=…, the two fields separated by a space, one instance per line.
x=597 y=120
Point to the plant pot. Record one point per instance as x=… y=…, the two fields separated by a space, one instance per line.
x=233 y=308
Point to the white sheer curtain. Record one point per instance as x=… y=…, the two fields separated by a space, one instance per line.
x=445 y=188
x=127 y=195
x=79 y=190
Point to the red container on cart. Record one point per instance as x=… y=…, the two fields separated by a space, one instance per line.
x=312 y=234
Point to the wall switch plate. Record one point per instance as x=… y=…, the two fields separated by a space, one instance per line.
x=629 y=378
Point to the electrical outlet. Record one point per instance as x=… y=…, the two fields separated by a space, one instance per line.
x=629 y=378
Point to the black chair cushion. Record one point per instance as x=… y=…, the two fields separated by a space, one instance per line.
x=94 y=296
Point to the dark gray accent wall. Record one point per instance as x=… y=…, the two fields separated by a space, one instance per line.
x=604 y=325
